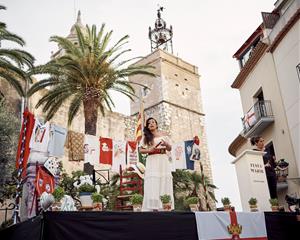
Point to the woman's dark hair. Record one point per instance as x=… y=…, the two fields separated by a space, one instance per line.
x=148 y=140
x=254 y=140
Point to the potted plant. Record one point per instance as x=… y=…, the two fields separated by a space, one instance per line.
x=58 y=194
x=226 y=203
x=166 y=202
x=85 y=195
x=136 y=201
x=274 y=204
x=97 y=201
x=193 y=203
x=253 y=204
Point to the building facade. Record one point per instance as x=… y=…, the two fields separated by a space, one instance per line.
x=269 y=86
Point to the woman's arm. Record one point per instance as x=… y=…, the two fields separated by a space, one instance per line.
x=167 y=145
x=146 y=150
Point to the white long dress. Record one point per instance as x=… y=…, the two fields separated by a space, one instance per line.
x=158 y=180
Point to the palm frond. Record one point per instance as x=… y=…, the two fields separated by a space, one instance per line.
x=74 y=107
x=14 y=82
x=8 y=36
x=89 y=68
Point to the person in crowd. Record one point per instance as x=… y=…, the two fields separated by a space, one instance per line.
x=158 y=179
x=270 y=164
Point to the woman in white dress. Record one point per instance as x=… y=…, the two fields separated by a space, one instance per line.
x=158 y=178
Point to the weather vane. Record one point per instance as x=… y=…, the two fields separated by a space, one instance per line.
x=161 y=36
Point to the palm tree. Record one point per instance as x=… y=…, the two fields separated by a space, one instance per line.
x=84 y=74
x=192 y=184
x=12 y=61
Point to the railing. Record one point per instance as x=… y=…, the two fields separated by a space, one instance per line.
x=258 y=112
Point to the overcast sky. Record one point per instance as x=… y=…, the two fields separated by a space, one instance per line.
x=206 y=33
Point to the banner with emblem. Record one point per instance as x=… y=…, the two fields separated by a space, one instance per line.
x=231 y=225
x=188 y=148
x=44 y=182
x=119 y=155
x=132 y=152
x=106 y=150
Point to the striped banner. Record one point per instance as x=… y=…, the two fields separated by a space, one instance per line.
x=140 y=123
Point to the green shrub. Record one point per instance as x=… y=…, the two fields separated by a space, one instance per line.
x=86 y=188
x=252 y=201
x=192 y=200
x=165 y=198
x=273 y=201
x=97 y=197
x=58 y=193
x=225 y=201
x=136 y=199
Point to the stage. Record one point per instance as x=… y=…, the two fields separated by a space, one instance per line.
x=131 y=226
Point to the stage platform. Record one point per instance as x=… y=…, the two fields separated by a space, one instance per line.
x=131 y=226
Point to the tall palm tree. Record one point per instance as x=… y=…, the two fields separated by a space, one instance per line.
x=84 y=74
x=13 y=61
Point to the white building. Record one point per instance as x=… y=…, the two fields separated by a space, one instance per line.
x=269 y=85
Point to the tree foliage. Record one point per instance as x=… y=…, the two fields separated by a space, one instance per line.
x=9 y=129
x=85 y=74
x=14 y=61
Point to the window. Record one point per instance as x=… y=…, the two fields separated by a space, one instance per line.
x=259 y=95
x=247 y=54
x=298 y=71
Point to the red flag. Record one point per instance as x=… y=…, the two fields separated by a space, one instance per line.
x=138 y=131
x=106 y=147
x=24 y=140
x=44 y=182
x=140 y=123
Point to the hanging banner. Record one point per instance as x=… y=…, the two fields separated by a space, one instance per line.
x=106 y=148
x=132 y=152
x=44 y=182
x=24 y=141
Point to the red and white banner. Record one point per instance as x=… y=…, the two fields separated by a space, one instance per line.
x=249 y=118
x=132 y=152
x=106 y=149
x=231 y=225
x=24 y=141
x=44 y=182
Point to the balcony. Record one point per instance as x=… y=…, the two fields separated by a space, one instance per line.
x=258 y=118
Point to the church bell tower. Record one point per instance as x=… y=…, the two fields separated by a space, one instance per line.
x=173 y=97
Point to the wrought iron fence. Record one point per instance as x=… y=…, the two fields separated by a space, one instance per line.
x=261 y=109
x=9 y=207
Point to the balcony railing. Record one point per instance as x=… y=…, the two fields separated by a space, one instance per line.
x=259 y=117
